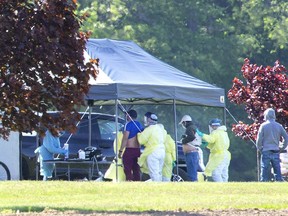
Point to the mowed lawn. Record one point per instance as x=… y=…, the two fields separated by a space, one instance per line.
x=28 y=196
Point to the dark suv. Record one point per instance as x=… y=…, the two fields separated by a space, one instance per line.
x=103 y=130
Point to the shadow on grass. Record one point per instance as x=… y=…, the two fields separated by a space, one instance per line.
x=44 y=211
x=29 y=210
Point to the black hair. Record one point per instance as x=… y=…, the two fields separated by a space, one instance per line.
x=132 y=113
x=148 y=114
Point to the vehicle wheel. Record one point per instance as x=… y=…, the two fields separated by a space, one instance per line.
x=182 y=175
x=4 y=172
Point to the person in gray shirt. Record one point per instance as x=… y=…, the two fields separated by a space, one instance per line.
x=268 y=140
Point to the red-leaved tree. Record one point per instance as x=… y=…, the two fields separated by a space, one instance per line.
x=265 y=87
x=41 y=65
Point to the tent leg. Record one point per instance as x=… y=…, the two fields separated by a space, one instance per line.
x=90 y=127
x=116 y=128
x=90 y=105
x=175 y=137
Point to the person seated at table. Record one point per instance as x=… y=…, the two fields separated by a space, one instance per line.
x=51 y=146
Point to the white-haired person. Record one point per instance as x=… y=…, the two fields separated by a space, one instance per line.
x=153 y=137
x=219 y=158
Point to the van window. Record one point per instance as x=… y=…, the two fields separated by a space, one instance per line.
x=107 y=129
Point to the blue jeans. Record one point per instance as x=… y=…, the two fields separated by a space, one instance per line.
x=268 y=157
x=192 y=162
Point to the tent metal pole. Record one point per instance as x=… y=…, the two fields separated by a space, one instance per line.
x=37 y=164
x=175 y=137
x=90 y=127
x=37 y=145
x=224 y=115
x=116 y=128
x=258 y=156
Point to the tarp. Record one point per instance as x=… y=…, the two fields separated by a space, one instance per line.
x=130 y=74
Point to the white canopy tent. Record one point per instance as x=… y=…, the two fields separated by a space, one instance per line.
x=130 y=75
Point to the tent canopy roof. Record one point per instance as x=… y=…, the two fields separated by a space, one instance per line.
x=130 y=74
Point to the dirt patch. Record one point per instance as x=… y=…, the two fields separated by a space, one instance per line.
x=231 y=212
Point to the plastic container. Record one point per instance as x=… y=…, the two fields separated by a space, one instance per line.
x=81 y=154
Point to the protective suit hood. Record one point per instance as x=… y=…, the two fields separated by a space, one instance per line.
x=223 y=127
x=150 y=119
x=269 y=114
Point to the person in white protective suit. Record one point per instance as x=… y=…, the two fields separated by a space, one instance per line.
x=51 y=146
x=219 y=158
x=153 y=137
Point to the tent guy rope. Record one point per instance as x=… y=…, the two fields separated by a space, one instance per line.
x=242 y=128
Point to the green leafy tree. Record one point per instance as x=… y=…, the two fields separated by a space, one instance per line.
x=198 y=37
x=259 y=28
x=84 y=3
x=42 y=65
x=186 y=34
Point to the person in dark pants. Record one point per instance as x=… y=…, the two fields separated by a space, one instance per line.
x=268 y=141
x=131 y=146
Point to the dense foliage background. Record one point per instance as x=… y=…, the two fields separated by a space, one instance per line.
x=208 y=39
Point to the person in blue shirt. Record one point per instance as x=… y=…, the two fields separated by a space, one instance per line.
x=132 y=147
x=268 y=141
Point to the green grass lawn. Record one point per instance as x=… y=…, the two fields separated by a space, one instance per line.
x=28 y=196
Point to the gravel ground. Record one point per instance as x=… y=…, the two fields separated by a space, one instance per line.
x=247 y=212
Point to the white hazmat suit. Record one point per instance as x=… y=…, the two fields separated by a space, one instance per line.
x=151 y=160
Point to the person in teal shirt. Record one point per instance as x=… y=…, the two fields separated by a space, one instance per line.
x=50 y=146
